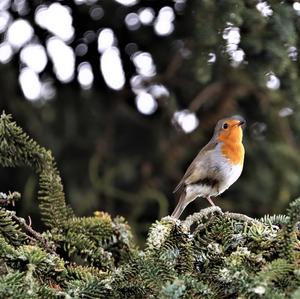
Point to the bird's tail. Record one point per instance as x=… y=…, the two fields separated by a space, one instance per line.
x=182 y=203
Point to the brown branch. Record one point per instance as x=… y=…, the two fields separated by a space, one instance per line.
x=35 y=235
x=241 y=217
x=205 y=94
x=196 y=217
x=10 y=198
x=173 y=66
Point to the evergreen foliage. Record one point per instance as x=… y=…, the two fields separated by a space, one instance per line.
x=211 y=254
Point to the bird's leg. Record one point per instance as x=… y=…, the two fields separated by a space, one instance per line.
x=210 y=201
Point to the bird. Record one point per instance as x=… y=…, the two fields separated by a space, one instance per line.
x=216 y=167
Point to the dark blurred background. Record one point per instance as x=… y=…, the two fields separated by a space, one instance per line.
x=126 y=92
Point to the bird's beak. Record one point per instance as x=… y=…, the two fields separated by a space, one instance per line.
x=242 y=123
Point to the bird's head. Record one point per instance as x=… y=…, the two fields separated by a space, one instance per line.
x=230 y=129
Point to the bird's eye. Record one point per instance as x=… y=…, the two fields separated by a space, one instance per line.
x=225 y=126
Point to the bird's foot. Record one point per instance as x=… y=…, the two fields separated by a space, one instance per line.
x=210 y=201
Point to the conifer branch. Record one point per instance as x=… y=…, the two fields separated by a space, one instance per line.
x=17 y=149
x=10 y=198
x=36 y=237
x=211 y=254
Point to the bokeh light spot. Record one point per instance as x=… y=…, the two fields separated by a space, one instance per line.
x=4 y=4
x=85 y=75
x=258 y=130
x=187 y=120
x=127 y=2
x=163 y=27
x=286 y=111
x=273 y=81
x=264 y=8
x=211 y=58
x=81 y=49
x=96 y=13
x=106 y=39
x=48 y=91
x=164 y=22
x=89 y=36
x=146 y=15
x=159 y=91
x=293 y=53
x=34 y=56
x=6 y=52
x=56 y=19
x=238 y=55
x=296 y=5
x=111 y=68
x=144 y=64
x=131 y=48
x=232 y=36
x=63 y=59
x=145 y=103
x=179 y=5
x=21 y=7
x=167 y=13
x=30 y=84
x=19 y=33
x=4 y=20
x=137 y=83
x=132 y=21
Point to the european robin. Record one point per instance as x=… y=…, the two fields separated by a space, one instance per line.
x=216 y=167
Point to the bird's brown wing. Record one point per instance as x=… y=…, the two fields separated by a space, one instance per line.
x=193 y=174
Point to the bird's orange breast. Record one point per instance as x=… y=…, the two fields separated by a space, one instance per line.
x=233 y=152
x=232 y=147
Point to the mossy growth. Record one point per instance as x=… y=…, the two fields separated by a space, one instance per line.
x=210 y=254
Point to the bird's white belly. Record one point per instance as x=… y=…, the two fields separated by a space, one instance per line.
x=232 y=173
x=215 y=166
x=228 y=172
x=193 y=191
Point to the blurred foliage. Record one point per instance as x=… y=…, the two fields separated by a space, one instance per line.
x=210 y=254
x=115 y=159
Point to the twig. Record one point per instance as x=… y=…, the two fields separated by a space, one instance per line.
x=241 y=217
x=30 y=221
x=205 y=94
x=196 y=217
x=10 y=198
x=36 y=236
x=173 y=66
